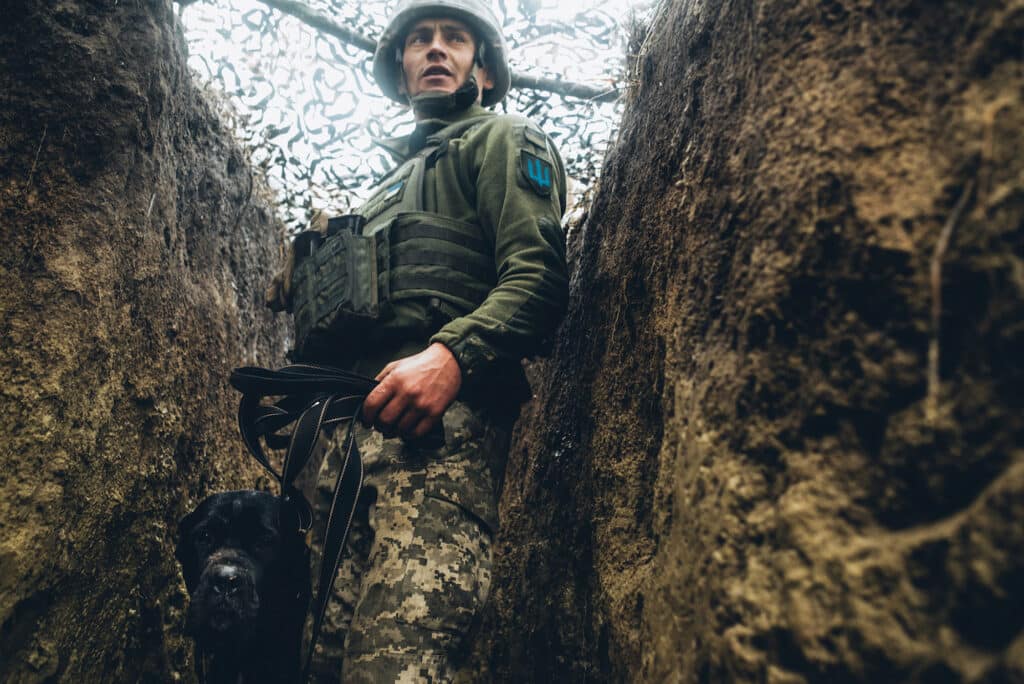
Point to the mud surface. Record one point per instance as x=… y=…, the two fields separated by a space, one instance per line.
x=756 y=454
x=135 y=246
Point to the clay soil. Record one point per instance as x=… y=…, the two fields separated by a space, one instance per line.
x=136 y=243
x=780 y=439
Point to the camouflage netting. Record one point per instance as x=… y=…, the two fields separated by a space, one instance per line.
x=309 y=108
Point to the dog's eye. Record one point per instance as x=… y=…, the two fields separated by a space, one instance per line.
x=204 y=537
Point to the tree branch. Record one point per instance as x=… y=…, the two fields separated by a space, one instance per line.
x=322 y=23
x=565 y=88
x=326 y=25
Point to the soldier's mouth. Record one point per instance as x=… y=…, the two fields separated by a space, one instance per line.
x=436 y=71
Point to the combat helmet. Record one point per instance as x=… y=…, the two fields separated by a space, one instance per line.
x=387 y=60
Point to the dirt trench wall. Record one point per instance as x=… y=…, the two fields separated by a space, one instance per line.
x=739 y=467
x=135 y=246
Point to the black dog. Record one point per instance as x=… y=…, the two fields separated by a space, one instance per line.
x=246 y=567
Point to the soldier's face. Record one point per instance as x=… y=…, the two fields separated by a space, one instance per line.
x=438 y=55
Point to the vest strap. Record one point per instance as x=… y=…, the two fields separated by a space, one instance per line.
x=427 y=257
x=418 y=286
x=411 y=231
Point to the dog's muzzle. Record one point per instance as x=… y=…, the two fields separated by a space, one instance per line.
x=225 y=602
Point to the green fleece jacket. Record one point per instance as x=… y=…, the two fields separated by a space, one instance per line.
x=505 y=177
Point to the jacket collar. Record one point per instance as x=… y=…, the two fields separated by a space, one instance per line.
x=404 y=146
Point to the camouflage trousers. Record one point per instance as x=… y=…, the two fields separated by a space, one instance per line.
x=417 y=565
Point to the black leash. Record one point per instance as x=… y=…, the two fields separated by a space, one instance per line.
x=312 y=397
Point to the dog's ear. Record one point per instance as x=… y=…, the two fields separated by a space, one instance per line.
x=296 y=553
x=289 y=518
x=296 y=575
x=185 y=550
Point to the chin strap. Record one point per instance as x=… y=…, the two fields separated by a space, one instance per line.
x=435 y=105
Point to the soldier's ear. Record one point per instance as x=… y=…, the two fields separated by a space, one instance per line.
x=483 y=76
x=402 y=90
x=485 y=79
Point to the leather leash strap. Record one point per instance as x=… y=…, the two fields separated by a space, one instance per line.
x=312 y=397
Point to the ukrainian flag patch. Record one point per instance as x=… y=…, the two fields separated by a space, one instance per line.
x=538 y=173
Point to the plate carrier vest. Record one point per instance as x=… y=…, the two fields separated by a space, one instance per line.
x=390 y=250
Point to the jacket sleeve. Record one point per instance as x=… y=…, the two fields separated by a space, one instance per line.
x=522 y=218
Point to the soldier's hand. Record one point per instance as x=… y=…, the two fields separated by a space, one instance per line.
x=413 y=393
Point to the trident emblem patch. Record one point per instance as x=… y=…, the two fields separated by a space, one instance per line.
x=538 y=173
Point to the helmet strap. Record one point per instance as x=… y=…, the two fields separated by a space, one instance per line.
x=433 y=105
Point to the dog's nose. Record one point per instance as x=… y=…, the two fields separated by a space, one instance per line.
x=226 y=580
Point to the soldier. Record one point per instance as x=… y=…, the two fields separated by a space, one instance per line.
x=467 y=277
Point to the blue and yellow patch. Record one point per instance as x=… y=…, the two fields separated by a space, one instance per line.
x=538 y=173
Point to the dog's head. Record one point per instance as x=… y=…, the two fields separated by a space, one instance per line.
x=245 y=565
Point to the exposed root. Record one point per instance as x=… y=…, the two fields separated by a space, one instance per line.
x=35 y=161
x=934 y=382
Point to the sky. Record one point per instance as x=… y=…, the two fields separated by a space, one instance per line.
x=308 y=108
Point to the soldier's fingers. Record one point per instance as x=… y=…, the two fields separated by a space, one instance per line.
x=392 y=411
x=408 y=422
x=385 y=371
x=425 y=425
x=375 y=401
x=392 y=428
